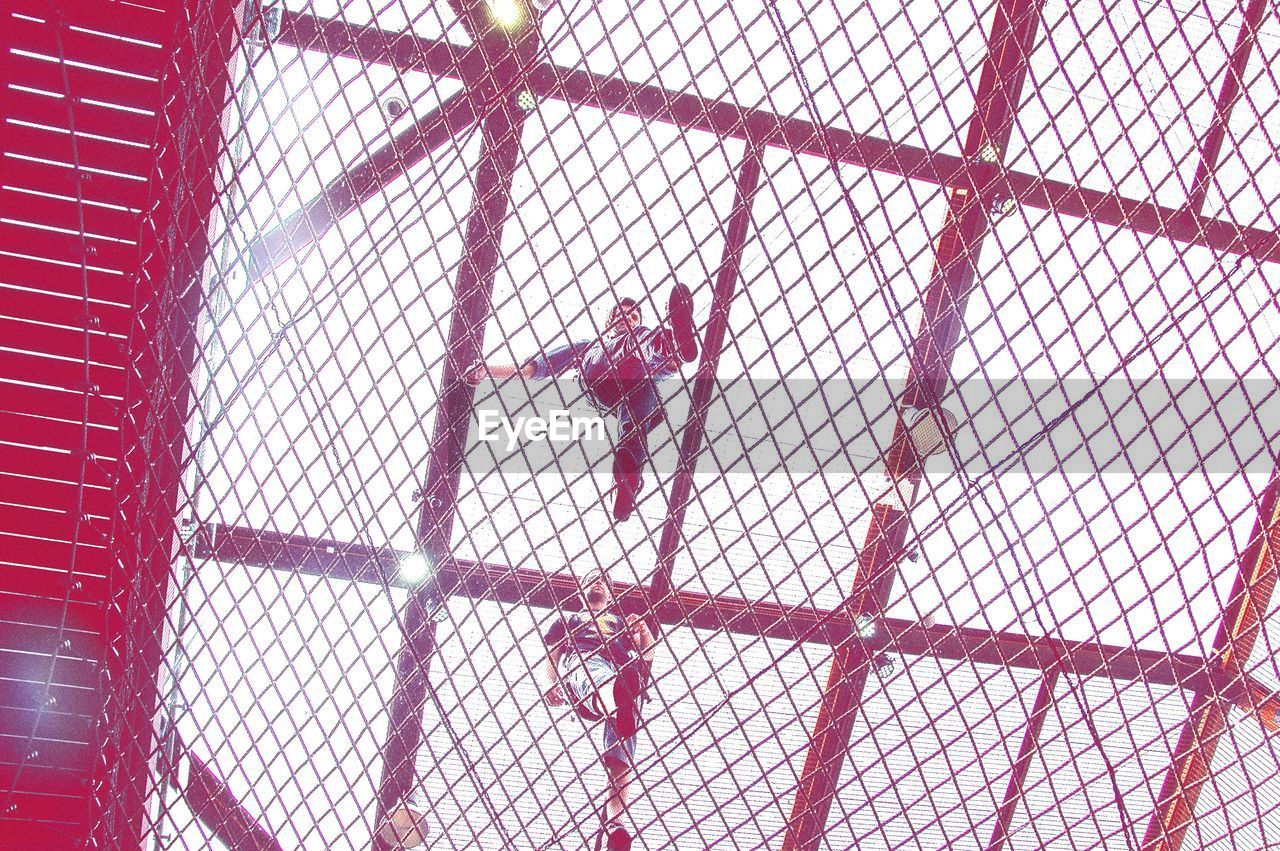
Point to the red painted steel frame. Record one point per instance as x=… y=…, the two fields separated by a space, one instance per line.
x=1232 y=646
x=1211 y=147
x=955 y=269
x=500 y=151
x=974 y=184
x=705 y=378
x=356 y=562
x=1021 y=765
x=407 y=52
x=1176 y=804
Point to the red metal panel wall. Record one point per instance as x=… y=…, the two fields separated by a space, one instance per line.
x=96 y=322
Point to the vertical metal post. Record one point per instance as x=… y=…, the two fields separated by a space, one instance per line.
x=1021 y=765
x=1250 y=598
x=955 y=270
x=705 y=378
x=498 y=159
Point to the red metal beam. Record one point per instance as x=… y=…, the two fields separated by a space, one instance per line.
x=705 y=378
x=1211 y=147
x=218 y=809
x=1027 y=750
x=524 y=586
x=1232 y=646
x=363 y=181
x=955 y=270
x=500 y=151
x=408 y=52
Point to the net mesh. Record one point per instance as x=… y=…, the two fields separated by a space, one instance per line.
x=1050 y=221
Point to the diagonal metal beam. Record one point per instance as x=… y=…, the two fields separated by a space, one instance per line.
x=1232 y=646
x=955 y=269
x=1211 y=147
x=1021 y=765
x=214 y=805
x=704 y=381
x=363 y=181
x=524 y=586
x=727 y=120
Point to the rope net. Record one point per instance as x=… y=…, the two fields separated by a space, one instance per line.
x=1006 y=212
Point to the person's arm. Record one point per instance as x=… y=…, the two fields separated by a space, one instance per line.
x=555 y=640
x=661 y=354
x=643 y=637
x=554 y=692
x=547 y=364
x=556 y=361
x=497 y=371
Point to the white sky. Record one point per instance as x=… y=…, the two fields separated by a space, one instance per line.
x=322 y=379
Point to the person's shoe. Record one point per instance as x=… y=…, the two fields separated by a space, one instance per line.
x=680 y=316
x=616 y=837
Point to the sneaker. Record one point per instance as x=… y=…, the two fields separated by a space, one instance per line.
x=624 y=497
x=616 y=837
x=680 y=315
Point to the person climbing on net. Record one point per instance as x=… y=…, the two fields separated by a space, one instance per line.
x=598 y=662
x=618 y=371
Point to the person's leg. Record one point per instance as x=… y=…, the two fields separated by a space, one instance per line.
x=638 y=415
x=619 y=759
x=680 y=319
x=619 y=789
x=590 y=682
x=613 y=694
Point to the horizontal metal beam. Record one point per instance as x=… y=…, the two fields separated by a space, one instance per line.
x=379 y=565
x=409 y=52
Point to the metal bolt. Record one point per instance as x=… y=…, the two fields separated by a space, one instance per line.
x=394 y=107
x=1002 y=206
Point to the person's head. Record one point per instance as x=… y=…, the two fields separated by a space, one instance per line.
x=597 y=592
x=624 y=316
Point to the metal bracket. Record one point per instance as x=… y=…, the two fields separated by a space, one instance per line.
x=261 y=24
